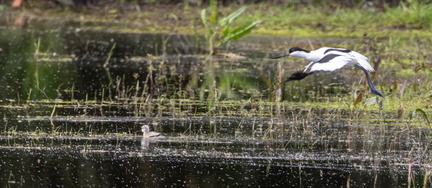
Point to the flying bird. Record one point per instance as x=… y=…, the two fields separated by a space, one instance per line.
x=327 y=59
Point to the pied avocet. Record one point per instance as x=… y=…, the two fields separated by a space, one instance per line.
x=331 y=59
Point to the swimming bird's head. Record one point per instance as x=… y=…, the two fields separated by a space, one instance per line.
x=145 y=129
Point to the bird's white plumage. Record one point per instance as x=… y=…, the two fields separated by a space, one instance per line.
x=332 y=65
x=344 y=58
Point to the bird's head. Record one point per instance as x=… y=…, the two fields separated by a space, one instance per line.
x=145 y=129
x=294 y=51
x=298 y=52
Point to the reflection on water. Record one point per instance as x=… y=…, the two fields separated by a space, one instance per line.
x=71 y=63
x=185 y=157
x=74 y=100
x=305 y=149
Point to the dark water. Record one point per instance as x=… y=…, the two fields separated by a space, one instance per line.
x=66 y=61
x=284 y=151
x=48 y=168
x=195 y=157
x=72 y=114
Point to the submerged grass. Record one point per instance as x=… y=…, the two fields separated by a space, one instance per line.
x=184 y=108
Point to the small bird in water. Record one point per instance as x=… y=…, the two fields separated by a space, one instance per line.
x=147 y=133
x=327 y=59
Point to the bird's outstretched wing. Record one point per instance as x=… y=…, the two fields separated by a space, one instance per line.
x=331 y=62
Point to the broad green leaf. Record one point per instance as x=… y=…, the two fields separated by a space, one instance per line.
x=243 y=30
x=231 y=17
x=232 y=36
x=205 y=22
x=226 y=30
x=238 y=32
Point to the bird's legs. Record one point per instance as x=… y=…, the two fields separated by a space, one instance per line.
x=368 y=78
x=308 y=66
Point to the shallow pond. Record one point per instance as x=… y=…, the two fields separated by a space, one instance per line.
x=74 y=100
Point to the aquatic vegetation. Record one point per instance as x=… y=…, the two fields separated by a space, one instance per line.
x=220 y=30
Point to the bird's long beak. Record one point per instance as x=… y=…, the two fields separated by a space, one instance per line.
x=277 y=57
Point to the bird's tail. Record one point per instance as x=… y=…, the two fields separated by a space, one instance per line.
x=363 y=61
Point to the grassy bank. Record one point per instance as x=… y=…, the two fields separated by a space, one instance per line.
x=313 y=20
x=326 y=21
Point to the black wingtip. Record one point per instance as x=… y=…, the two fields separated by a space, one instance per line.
x=298 y=75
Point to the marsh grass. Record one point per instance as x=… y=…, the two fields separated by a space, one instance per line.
x=412 y=13
x=324 y=20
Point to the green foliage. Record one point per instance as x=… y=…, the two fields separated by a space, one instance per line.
x=412 y=12
x=327 y=21
x=221 y=31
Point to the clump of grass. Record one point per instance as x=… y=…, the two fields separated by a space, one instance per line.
x=321 y=20
x=411 y=13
